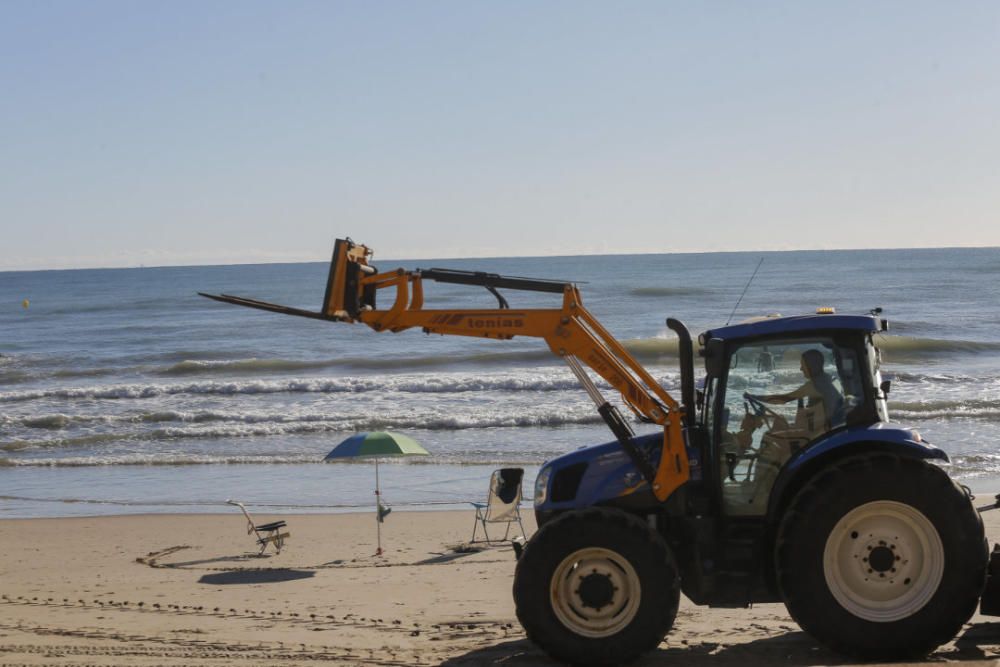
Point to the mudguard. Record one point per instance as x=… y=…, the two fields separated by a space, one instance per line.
x=882 y=436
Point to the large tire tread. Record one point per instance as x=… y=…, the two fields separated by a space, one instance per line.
x=804 y=588
x=597 y=526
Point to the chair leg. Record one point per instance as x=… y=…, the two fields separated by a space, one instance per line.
x=475 y=526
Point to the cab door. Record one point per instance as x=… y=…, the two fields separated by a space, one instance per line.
x=777 y=397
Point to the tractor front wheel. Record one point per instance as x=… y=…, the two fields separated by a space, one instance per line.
x=596 y=587
x=881 y=557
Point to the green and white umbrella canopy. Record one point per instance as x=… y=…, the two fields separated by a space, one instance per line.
x=376 y=445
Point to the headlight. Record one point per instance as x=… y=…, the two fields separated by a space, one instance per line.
x=542 y=485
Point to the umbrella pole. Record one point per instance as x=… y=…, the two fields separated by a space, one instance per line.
x=378 y=510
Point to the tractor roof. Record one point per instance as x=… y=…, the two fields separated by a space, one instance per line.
x=775 y=326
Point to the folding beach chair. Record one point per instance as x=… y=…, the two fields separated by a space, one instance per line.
x=503 y=505
x=266 y=533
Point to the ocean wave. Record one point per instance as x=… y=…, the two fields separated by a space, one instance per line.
x=904 y=347
x=51 y=422
x=937 y=378
x=66 y=443
x=437 y=384
x=897 y=326
x=645 y=349
x=973 y=465
x=196 y=460
x=236 y=426
x=71 y=373
x=653 y=349
x=60 y=421
x=14 y=377
x=667 y=291
x=972 y=408
x=243 y=366
x=136 y=459
x=187 y=354
x=115 y=306
x=264 y=366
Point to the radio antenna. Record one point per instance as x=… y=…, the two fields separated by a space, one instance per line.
x=744 y=291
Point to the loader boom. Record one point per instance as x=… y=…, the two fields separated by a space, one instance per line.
x=570 y=331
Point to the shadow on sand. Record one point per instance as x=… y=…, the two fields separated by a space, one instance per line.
x=971 y=644
x=796 y=649
x=269 y=576
x=443 y=558
x=236 y=560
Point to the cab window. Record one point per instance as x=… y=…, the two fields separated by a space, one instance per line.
x=779 y=397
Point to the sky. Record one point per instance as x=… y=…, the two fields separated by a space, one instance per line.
x=191 y=132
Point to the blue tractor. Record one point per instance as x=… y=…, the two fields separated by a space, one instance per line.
x=780 y=480
x=801 y=491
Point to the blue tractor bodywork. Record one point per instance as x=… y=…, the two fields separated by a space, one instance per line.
x=604 y=475
x=781 y=326
x=719 y=550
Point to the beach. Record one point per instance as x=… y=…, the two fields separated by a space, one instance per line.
x=173 y=589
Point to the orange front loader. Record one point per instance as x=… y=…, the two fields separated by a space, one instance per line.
x=570 y=331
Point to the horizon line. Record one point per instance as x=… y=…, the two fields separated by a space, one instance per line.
x=493 y=257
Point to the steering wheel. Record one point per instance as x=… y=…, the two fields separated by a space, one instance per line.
x=760 y=409
x=766 y=416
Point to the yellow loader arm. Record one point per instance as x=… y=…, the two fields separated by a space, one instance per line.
x=570 y=331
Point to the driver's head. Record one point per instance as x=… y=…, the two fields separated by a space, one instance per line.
x=812 y=363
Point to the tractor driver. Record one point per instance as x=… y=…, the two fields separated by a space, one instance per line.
x=819 y=399
x=753 y=468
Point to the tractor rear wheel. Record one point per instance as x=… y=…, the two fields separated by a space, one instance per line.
x=881 y=557
x=596 y=587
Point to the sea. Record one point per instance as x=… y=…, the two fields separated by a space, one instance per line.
x=123 y=391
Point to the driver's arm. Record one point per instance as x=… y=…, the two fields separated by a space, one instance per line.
x=801 y=392
x=772 y=398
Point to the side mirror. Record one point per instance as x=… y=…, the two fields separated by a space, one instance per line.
x=699 y=399
x=885 y=387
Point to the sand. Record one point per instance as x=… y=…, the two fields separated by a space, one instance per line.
x=190 y=590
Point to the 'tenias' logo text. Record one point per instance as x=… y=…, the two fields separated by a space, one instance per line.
x=493 y=323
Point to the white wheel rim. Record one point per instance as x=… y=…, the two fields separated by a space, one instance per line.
x=595 y=592
x=883 y=561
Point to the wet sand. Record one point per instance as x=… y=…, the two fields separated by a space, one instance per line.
x=190 y=590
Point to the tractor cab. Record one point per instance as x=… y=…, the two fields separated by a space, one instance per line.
x=776 y=387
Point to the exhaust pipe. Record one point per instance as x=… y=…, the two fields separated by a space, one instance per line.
x=686 y=353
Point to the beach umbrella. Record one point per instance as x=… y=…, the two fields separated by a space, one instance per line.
x=376 y=445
